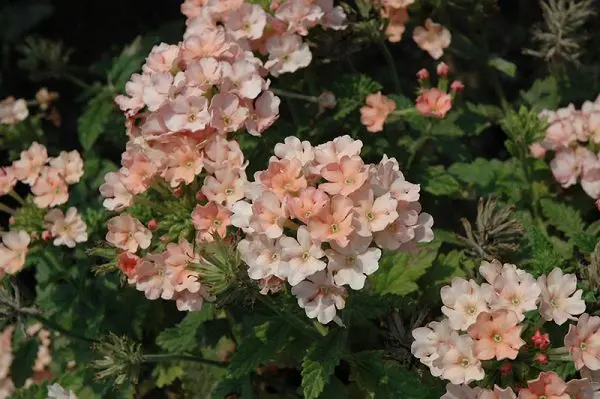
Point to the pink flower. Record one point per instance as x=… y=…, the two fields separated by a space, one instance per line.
x=248 y=22
x=227 y=114
x=560 y=298
x=537 y=150
x=433 y=38
x=580 y=389
x=333 y=151
x=497 y=393
x=457 y=87
x=397 y=18
x=152 y=279
x=376 y=111
x=128 y=263
x=187 y=113
x=159 y=87
x=211 y=219
x=410 y=227
x=50 y=188
x=137 y=172
x=183 y=164
x=566 y=167
x=268 y=215
x=211 y=42
x=334 y=18
x=442 y=69
x=293 y=148
x=7 y=180
x=320 y=297
x=28 y=167
x=220 y=153
x=287 y=53
x=243 y=79
x=516 y=291
x=590 y=175
x=162 y=58
x=434 y=103
x=302 y=258
x=263 y=113
x=70 y=164
x=307 y=204
x=463 y=301
x=187 y=301
x=128 y=233
x=344 y=177
x=458 y=363
x=117 y=196
x=177 y=258
x=353 y=263
x=583 y=342
x=133 y=102
x=66 y=229
x=13 y=251
x=300 y=15
x=372 y=214
x=548 y=385
x=263 y=257
x=432 y=341
x=6 y=351
x=226 y=187
x=284 y=177
x=334 y=222
x=496 y=335
x=462 y=391
x=13 y=111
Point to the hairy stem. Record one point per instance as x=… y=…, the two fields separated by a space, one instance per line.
x=297 y=96
x=167 y=357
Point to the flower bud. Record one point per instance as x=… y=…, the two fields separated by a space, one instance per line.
x=442 y=69
x=327 y=100
x=152 y=224
x=423 y=74
x=541 y=358
x=506 y=369
x=457 y=86
x=46 y=235
x=540 y=341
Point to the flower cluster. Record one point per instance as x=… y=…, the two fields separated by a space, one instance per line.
x=436 y=102
x=318 y=218
x=49 y=179
x=40 y=366
x=275 y=33
x=493 y=315
x=569 y=134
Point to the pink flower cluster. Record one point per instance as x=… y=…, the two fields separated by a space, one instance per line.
x=569 y=134
x=275 y=33
x=492 y=314
x=436 y=102
x=318 y=218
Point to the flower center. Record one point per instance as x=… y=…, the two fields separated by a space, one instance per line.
x=370 y=216
x=471 y=310
x=553 y=303
x=274 y=257
x=515 y=301
x=464 y=362
x=226 y=119
x=189 y=164
x=228 y=191
x=497 y=338
x=351 y=259
x=335 y=228
x=191 y=117
x=583 y=346
x=217 y=222
x=349 y=180
x=305 y=256
x=542 y=397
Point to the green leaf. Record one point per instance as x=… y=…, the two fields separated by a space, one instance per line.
x=92 y=122
x=543 y=94
x=351 y=91
x=23 y=361
x=506 y=67
x=128 y=62
x=164 y=374
x=398 y=272
x=545 y=257
x=320 y=361
x=565 y=218
x=229 y=386
x=437 y=181
x=183 y=337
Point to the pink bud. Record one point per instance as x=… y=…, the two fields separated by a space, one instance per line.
x=442 y=69
x=537 y=150
x=46 y=235
x=506 y=369
x=541 y=358
x=200 y=196
x=178 y=192
x=540 y=340
x=423 y=74
x=152 y=224
x=457 y=86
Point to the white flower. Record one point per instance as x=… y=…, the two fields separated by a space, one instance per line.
x=463 y=301
x=560 y=300
x=263 y=257
x=458 y=364
x=432 y=341
x=302 y=257
x=55 y=391
x=352 y=264
x=66 y=229
x=514 y=291
x=320 y=297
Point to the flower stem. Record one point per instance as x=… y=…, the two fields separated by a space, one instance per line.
x=167 y=357
x=297 y=96
x=7 y=209
x=391 y=64
x=16 y=197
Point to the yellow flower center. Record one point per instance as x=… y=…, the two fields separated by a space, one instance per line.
x=228 y=191
x=464 y=362
x=497 y=338
x=335 y=228
x=370 y=216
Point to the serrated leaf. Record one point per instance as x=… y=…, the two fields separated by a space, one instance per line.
x=92 y=122
x=565 y=218
x=351 y=91
x=437 y=181
x=398 y=272
x=543 y=94
x=182 y=338
x=23 y=361
x=229 y=386
x=164 y=374
x=320 y=361
x=545 y=257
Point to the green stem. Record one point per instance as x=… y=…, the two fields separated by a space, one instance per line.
x=16 y=197
x=7 y=209
x=78 y=82
x=391 y=64
x=297 y=96
x=167 y=357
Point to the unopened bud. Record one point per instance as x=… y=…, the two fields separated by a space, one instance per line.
x=506 y=369
x=200 y=196
x=540 y=341
x=423 y=74
x=46 y=235
x=442 y=69
x=152 y=224
x=541 y=358
x=457 y=86
x=327 y=100
x=178 y=192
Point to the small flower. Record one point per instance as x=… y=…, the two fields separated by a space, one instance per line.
x=560 y=298
x=287 y=53
x=70 y=164
x=433 y=38
x=268 y=215
x=457 y=86
x=13 y=111
x=506 y=369
x=548 y=385
x=28 y=167
x=226 y=187
x=540 y=341
x=13 y=251
x=128 y=233
x=352 y=264
x=210 y=219
x=462 y=391
x=515 y=291
x=334 y=222
x=374 y=114
x=541 y=358
x=496 y=335
x=442 y=69
x=7 y=180
x=127 y=263
x=50 y=189
x=373 y=215
x=152 y=278
x=66 y=229
x=344 y=177
x=580 y=389
x=117 y=196
x=463 y=301
x=302 y=258
x=459 y=364
x=307 y=204
x=497 y=393
x=432 y=341
x=434 y=103
x=152 y=224
x=263 y=257
x=423 y=74
x=320 y=297
x=582 y=342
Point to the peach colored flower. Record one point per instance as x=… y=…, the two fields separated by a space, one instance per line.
x=162 y=58
x=187 y=113
x=137 y=172
x=28 y=167
x=433 y=38
x=187 y=301
x=462 y=391
x=268 y=215
x=128 y=233
x=352 y=264
x=263 y=257
x=458 y=363
x=373 y=214
x=300 y=15
x=463 y=301
x=117 y=196
x=497 y=393
x=7 y=180
x=432 y=341
x=307 y=204
x=13 y=111
x=548 y=385
x=6 y=353
x=210 y=219
x=128 y=263
x=211 y=41
x=287 y=53
x=70 y=164
x=226 y=187
x=496 y=335
x=248 y=22
x=583 y=342
x=334 y=222
x=537 y=150
x=220 y=153
x=50 y=189
x=301 y=258
x=410 y=227
x=227 y=113
x=284 y=177
x=333 y=151
x=151 y=278
x=515 y=291
x=183 y=164
x=397 y=18
x=66 y=229
x=177 y=258
x=243 y=79
x=293 y=148
x=580 y=389
x=433 y=102
x=320 y=297
x=374 y=114
x=13 y=251
x=344 y=177
x=263 y=113
x=560 y=299
x=566 y=167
